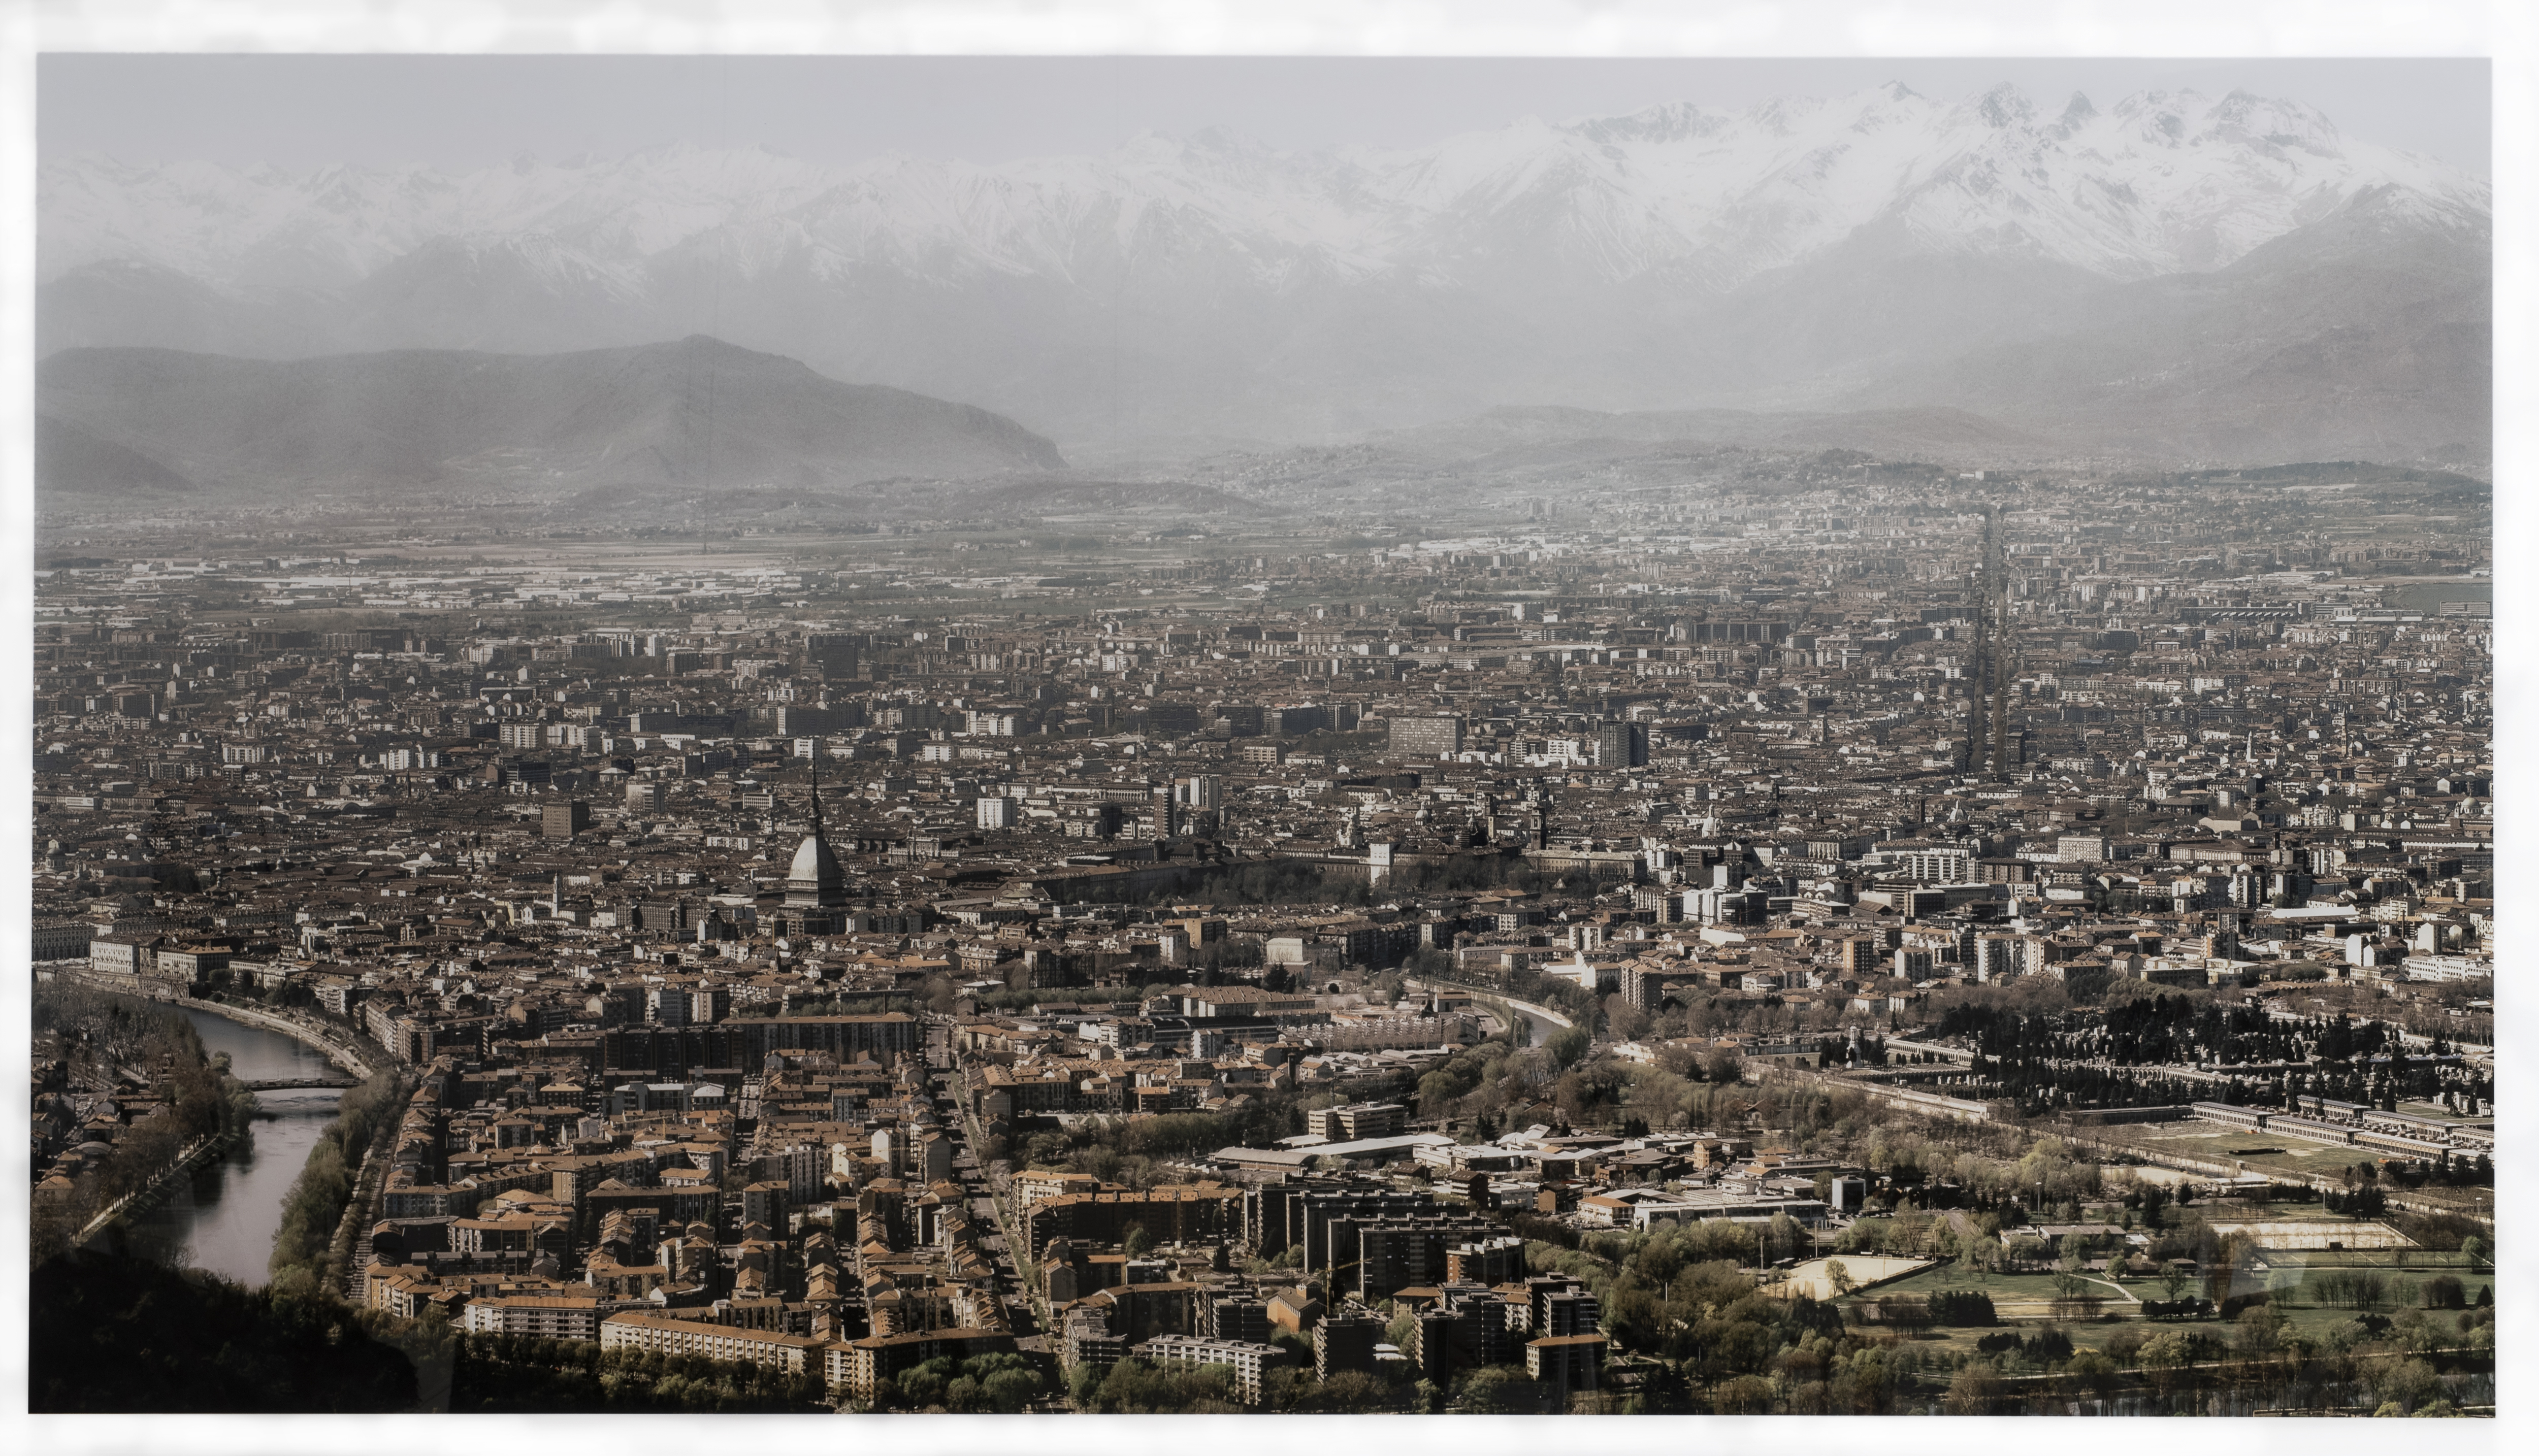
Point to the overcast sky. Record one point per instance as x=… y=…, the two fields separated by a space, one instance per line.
x=466 y=111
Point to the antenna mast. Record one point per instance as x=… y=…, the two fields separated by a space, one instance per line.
x=2003 y=662
x=1980 y=658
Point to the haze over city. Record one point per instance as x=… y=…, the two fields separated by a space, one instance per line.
x=1269 y=736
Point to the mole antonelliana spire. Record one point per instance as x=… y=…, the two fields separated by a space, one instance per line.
x=817 y=880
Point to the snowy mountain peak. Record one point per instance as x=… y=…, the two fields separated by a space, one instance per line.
x=2006 y=106
x=1673 y=122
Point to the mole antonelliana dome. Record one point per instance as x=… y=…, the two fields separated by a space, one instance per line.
x=817 y=878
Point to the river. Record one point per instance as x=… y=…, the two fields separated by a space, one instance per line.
x=226 y=1220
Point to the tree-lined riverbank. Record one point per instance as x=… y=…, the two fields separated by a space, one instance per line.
x=128 y=1095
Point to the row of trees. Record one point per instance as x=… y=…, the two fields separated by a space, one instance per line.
x=2043 y=1059
x=522 y=1375
x=303 y=1247
x=2372 y=1288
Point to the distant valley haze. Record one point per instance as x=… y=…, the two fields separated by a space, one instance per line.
x=2164 y=275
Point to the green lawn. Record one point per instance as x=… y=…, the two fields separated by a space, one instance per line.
x=2310 y=1322
x=2290 y=1156
x=1959 y=1277
x=2019 y=1299
x=2288 y=1274
x=2297 y=1287
x=2429 y=1259
x=2316 y=1321
x=2248 y=1211
x=2003 y=1286
x=2230 y=1145
x=2084 y=1335
x=2482 y=1123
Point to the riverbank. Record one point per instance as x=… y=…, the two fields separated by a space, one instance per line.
x=129 y=1105
x=322 y=1215
x=348 y=1057
x=350 y=1254
x=363 y=1061
x=224 y=1222
x=191 y=1157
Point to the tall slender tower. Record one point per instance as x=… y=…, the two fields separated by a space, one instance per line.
x=1989 y=667
x=2004 y=663
x=1980 y=660
x=817 y=881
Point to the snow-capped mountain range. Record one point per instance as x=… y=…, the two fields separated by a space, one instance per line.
x=1218 y=278
x=2161 y=183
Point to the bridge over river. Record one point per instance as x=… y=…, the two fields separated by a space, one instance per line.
x=287 y=1084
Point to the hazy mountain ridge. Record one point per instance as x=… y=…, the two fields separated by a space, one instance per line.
x=1867 y=251
x=2365 y=334
x=74 y=462
x=697 y=413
